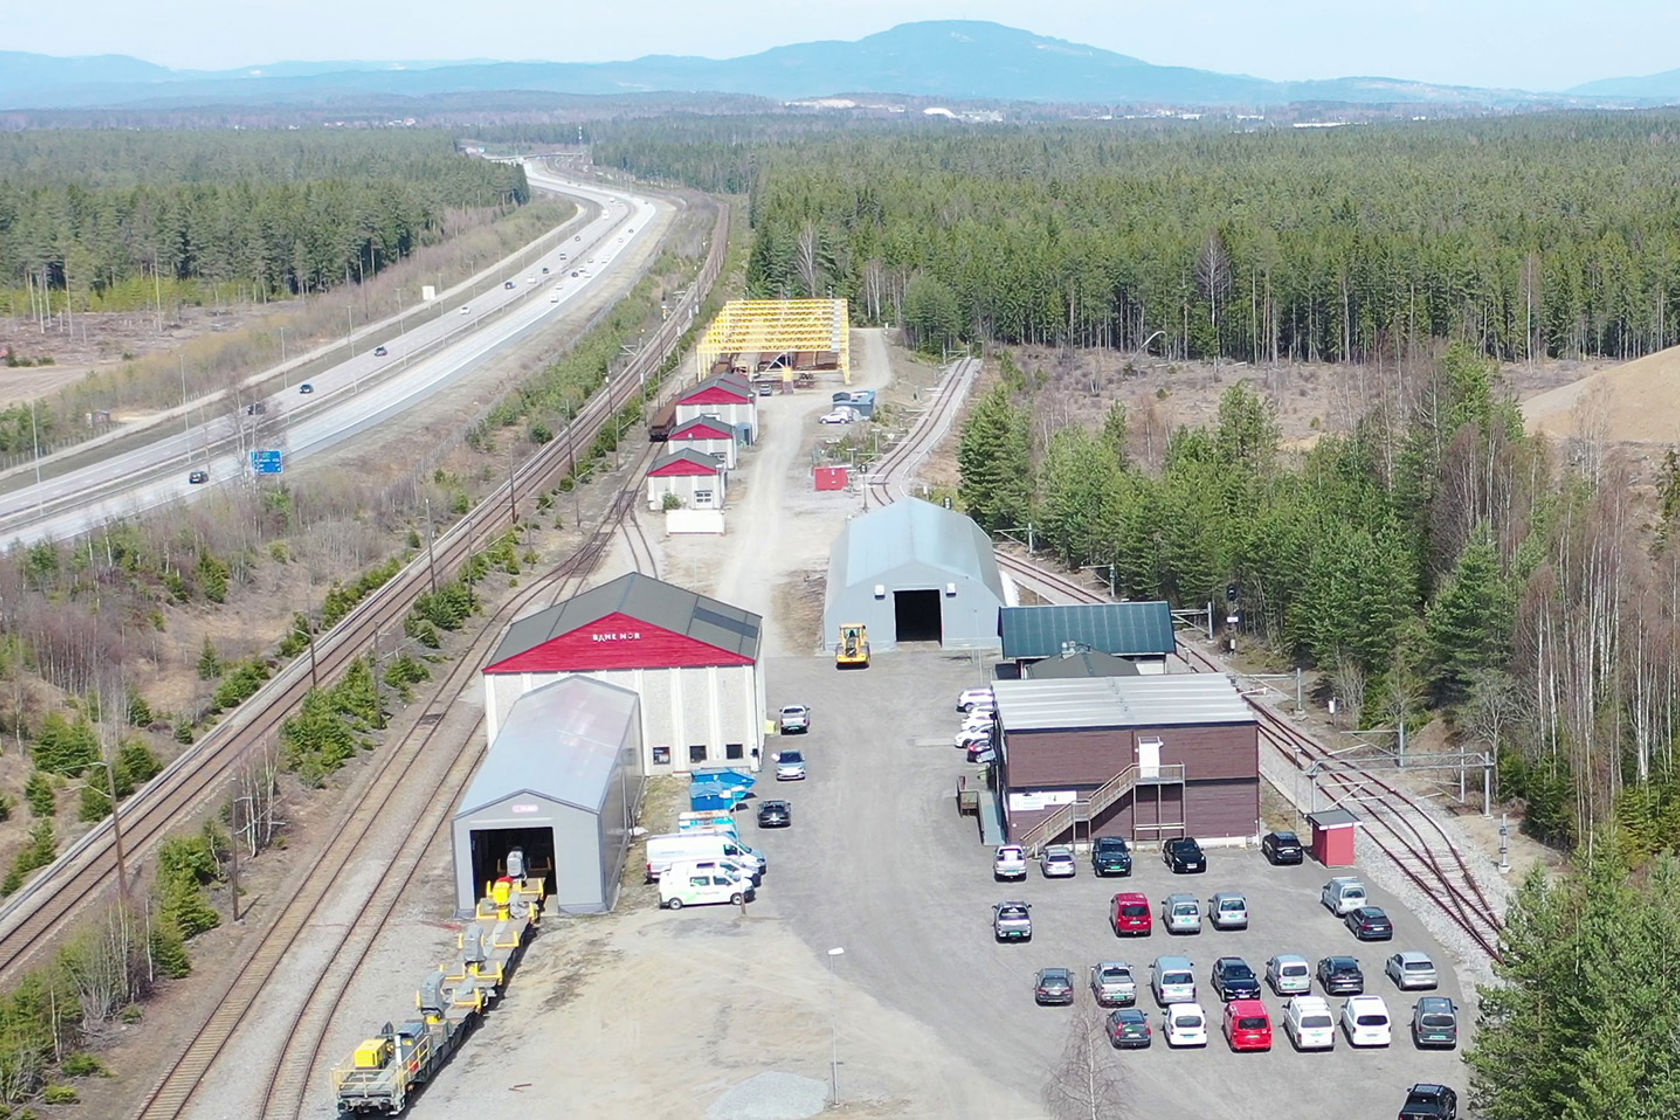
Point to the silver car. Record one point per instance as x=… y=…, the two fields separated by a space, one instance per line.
x=1228 y=910
x=1180 y=914
x=1057 y=862
x=1411 y=970
x=1113 y=985
x=1289 y=975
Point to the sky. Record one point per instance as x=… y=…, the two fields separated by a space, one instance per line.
x=1527 y=44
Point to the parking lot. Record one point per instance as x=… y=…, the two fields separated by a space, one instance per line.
x=878 y=862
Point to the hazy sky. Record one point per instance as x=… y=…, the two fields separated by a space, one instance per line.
x=1532 y=44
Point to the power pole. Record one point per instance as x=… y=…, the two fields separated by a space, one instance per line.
x=431 y=557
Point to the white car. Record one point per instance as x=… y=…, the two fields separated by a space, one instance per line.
x=1010 y=862
x=979 y=720
x=1184 y=1024
x=1341 y=894
x=790 y=766
x=466 y=309
x=838 y=416
x=1308 y=1022
x=554 y=298
x=1411 y=970
x=1365 y=1019
x=1057 y=862
x=967 y=737
x=971 y=698
x=794 y=719
x=1289 y=975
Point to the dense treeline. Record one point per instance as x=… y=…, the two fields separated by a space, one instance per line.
x=1526 y=236
x=280 y=212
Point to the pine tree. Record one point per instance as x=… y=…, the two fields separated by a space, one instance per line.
x=995 y=458
x=209 y=661
x=1469 y=622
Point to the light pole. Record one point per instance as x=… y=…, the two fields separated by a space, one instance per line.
x=834 y=1027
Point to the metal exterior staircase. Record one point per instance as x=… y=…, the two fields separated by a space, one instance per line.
x=1066 y=816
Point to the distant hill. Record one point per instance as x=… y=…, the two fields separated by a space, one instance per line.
x=956 y=59
x=1664 y=87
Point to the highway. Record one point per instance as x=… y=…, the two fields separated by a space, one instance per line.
x=359 y=393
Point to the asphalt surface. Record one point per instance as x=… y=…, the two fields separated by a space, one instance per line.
x=358 y=393
x=878 y=862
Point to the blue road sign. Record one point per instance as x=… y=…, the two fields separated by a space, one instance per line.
x=268 y=462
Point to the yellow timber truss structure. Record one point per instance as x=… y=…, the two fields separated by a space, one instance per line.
x=777 y=331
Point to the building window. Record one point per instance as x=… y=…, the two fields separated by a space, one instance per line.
x=733 y=751
x=662 y=756
x=697 y=752
x=702 y=497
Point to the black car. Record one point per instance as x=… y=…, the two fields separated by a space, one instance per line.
x=1341 y=976
x=306 y=388
x=1233 y=979
x=1434 y=1023
x=1429 y=1102
x=1054 y=985
x=380 y=351
x=1184 y=856
x=197 y=477
x=775 y=814
x=1111 y=856
x=1128 y=1029
x=1369 y=923
x=1281 y=847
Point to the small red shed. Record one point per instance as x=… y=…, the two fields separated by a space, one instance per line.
x=832 y=478
x=1332 y=836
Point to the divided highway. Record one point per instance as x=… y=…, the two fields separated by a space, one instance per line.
x=359 y=393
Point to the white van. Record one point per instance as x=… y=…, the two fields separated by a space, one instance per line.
x=663 y=851
x=688 y=884
x=1174 y=980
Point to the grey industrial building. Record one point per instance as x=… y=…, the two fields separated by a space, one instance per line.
x=914 y=571
x=562 y=782
x=1140 y=631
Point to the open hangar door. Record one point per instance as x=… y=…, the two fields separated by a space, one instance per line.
x=916 y=616
x=490 y=848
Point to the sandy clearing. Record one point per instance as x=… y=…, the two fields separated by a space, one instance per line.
x=1636 y=402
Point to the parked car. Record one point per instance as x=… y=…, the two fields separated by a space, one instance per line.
x=1429 y=1102
x=1248 y=1026
x=980 y=719
x=1184 y=856
x=197 y=477
x=775 y=814
x=1184 y=1024
x=1341 y=894
x=971 y=698
x=1369 y=923
x=838 y=416
x=967 y=738
x=1129 y=914
x=1411 y=970
x=982 y=752
x=1228 y=910
x=1281 y=847
x=306 y=388
x=1289 y=975
x=1308 y=1022
x=380 y=351
x=1113 y=985
x=1053 y=986
x=1180 y=914
x=687 y=885
x=750 y=873
x=1365 y=1021
x=1128 y=1029
x=1341 y=976
x=1434 y=1023
x=1012 y=921
x=794 y=719
x=1010 y=862
x=1234 y=979
x=1173 y=980
x=1057 y=862
x=790 y=766
x=1111 y=856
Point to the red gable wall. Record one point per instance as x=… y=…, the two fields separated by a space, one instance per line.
x=715 y=394
x=617 y=641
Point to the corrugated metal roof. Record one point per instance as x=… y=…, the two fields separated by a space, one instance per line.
x=732 y=383
x=686 y=455
x=1124 y=629
x=653 y=601
x=560 y=742
x=911 y=531
x=1332 y=818
x=1084 y=663
x=1170 y=700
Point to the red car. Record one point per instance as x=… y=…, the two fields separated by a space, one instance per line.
x=1247 y=1025
x=1129 y=915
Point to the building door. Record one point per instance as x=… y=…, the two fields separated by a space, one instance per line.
x=1149 y=759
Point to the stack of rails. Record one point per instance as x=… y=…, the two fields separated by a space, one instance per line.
x=385 y=1072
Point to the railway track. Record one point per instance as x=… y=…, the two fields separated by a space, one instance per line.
x=889 y=478
x=33 y=917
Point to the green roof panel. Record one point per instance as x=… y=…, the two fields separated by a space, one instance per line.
x=1133 y=629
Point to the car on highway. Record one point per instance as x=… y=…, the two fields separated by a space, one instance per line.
x=257 y=408
x=1180 y=914
x=1281 y=847
x=1184 y=1024
x=1128 y=1029
x=1053 y=986
x=1228 y=910
x=1341 y=894
x=1113 y=985
x=1010 y=863
x=1411 y=970
x=1234 y=979
x=197 y=477
x=1129 y=914
x=1341 y=976
x=554 y=297
x=545 y=267
x=1365 y=1021
x=1309 y=1023
x=380 y=351
x=790 y=766
x=1012 y=921
x=1248 y=1026
x=775 y=814
x=839 y=416
x=1111 y=856
x=1173 y=980
x=971 y=698
x=466 y=308
x=1434 y=1023
x=306 y=388
x=794 y=719
x=1057 y=862
x=1289 y=975
x=508 y=285
x=579 y=237
x=1429 y=1102
x=1184 y=856
x=574 y=274
x=1369 y=923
